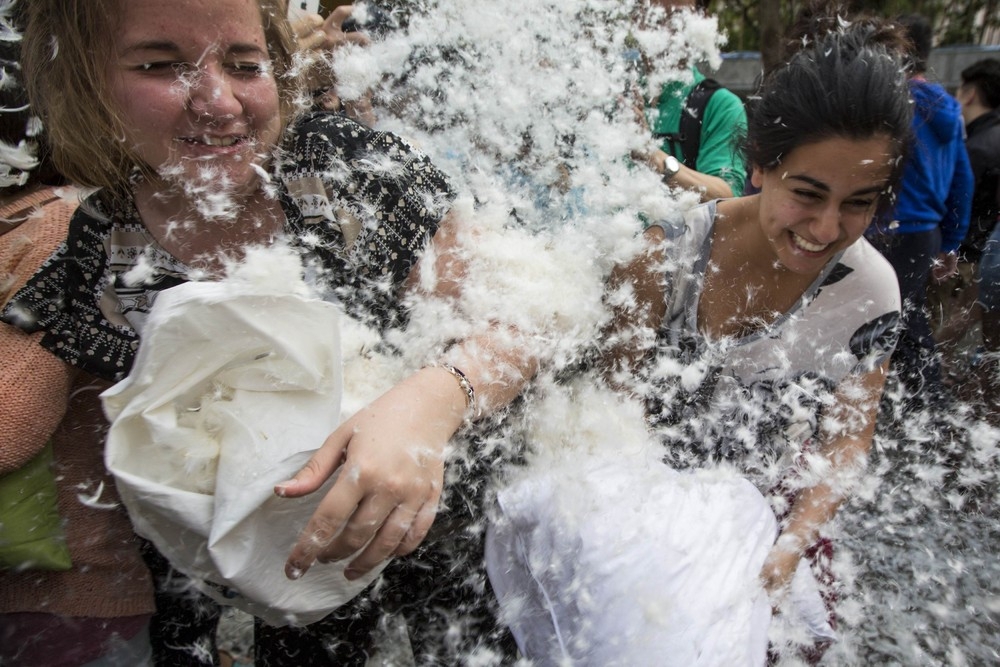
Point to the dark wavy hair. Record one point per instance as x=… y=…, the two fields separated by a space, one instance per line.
x=844 y=83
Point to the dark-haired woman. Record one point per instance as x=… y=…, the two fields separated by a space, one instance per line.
x=774 y=323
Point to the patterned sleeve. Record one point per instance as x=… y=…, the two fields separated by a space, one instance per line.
x=365 y=195
x=63 y=299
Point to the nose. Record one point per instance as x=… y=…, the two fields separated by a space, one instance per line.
x=826 y=227
x=211 y=94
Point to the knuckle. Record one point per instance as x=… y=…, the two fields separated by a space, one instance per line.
x=312 y=468
x=321 y=531
x=353 y=539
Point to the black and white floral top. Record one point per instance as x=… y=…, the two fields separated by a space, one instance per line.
x=359 y=203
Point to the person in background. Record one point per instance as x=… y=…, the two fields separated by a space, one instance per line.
x=954 y=304
x=96 y=607
x=922 y=236
x=708 y=163
x=987 y=370
x=979 y=95
x=167 y=109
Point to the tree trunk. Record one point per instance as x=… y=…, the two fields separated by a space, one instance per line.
x=771 y=32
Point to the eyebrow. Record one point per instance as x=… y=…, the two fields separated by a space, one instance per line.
x=820 y=185
x=239 y=48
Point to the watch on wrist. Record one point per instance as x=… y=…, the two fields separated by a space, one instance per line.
x=670 y=168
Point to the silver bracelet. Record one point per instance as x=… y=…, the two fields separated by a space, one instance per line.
x=471 y=407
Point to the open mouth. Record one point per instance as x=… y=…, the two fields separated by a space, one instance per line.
x=803 y=244
x=220 y=142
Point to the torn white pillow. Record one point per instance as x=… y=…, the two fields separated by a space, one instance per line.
x=233 y=388
x=622 y=561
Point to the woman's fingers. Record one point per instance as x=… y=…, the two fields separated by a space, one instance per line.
x=313 y=41
x=384 y=543
x=339 y=15
x=320 y=466
x=304 y=24
x=321 y=537
x=359 y=513
x=419 y=528
x=385 y=497
x=333 y=27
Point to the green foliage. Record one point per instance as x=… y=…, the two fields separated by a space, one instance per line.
x=956 y=21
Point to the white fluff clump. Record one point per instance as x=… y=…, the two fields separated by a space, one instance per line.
x=369 y=370
x=570 y=425
x=274 y=270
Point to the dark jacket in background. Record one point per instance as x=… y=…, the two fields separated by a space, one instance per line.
x=983 y=145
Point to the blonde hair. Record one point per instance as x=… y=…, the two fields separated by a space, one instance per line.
x=67 y=48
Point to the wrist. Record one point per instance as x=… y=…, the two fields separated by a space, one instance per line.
x=460 y=392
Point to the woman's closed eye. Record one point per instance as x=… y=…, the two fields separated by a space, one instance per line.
x=247 y=67
x=861 y=203
x=808 y=195
x=159 y=66
x=243 y=68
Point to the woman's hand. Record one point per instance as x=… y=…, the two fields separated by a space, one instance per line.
x=316 y=34
x=391 y=461
x=779 y=568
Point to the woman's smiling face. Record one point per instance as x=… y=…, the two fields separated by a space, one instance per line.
x=192 y=82
x=821 y=198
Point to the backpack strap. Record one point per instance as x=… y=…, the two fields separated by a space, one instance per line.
x=688 y=135
x=692 y=117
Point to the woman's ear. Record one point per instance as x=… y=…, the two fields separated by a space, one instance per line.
x=757 y=177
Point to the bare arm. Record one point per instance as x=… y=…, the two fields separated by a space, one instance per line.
x=842 y=457
x=393 y=451
x=636 y=299
x=708 y=186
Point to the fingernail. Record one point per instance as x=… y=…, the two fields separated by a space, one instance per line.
x=281 y=490
x=351 y=574
x=293 y=572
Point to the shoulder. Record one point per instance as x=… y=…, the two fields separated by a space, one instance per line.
x=932 y=100
x=694 y=222
x=321 y=134
x=724 y=100
x=858 y=304
x=45 y=217
x=868 y=276
x=63 y=297
x=860 y=293
x=352 y=159
x=699 y=219
x=984 y=136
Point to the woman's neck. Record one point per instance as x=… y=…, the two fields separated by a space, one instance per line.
x=202 y=230
x=745 y=287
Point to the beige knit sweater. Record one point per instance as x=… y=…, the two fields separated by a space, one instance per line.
x=42 y=397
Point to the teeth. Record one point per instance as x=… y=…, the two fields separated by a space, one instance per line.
x=219 y=141
x=806 y=245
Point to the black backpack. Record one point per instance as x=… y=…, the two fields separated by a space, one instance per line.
x=688 y=135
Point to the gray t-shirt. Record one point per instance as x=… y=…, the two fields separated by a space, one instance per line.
x=756 y=401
